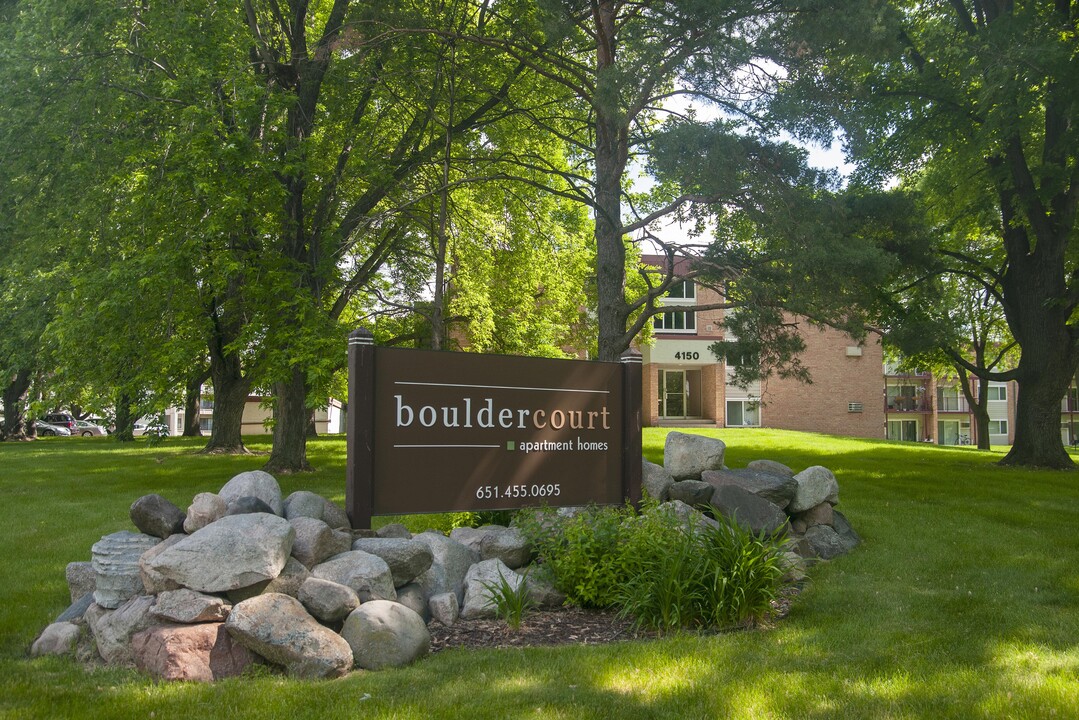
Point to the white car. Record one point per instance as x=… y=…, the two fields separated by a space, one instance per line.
x=88 y=429
x=45 y=429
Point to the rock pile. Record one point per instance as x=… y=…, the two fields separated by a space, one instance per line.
x=765 y=496
x=246 y=577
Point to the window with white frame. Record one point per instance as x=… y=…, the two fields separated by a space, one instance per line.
x=998 y=427
x=997 y=392
x=681 y=321
x=683 y=290
x=743 y=413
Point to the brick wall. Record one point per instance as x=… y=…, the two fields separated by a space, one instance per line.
x=838 y=379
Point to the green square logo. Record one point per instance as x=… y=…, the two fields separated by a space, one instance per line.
x=511 y=445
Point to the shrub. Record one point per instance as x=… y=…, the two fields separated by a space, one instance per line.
x=656 y=569
x=510 y=603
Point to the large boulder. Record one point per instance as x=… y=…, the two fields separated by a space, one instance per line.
x=200 y=653
x=154 y=582
x=76 y=610
x=116 y=567
x=451 y=562
x=686 y=456
x=254 y=483
x=748 y=510
x=113 y=629
x=825 y=542
x=248 y=504
x=278 y=628
x=234 y=552
x=316 y=541
x=304 y=503
x=655 y=481
x=367 y=574
x=776 y=489
x=770 y=466
x=385 y=634
x=690 y=517
x=844 y=530
x=508 y=544
x=816 y=484
x=287 y=583
x=394 y=530
x=59 y=638
x=407 y=559
x=445 y=608
x=822 y=514
x=483 y=581
x=156 y=515
x=80 y=578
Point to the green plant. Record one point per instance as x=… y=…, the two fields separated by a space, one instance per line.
x=511 y=603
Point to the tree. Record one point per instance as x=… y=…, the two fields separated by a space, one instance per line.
x=982 y=93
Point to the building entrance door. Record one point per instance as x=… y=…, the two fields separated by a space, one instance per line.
x=672 y=399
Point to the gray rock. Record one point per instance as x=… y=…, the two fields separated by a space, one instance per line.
x=157 y=516
x=844 y=530
x=692 y=518
x=394 y=530
x=451 y=562
x=794 y=567
x=154 y=582
x=195 y=653
x=248 y=504
x=686 y=456
x=407 y=559
x=278 y=628
x=386 y=634
x=116 y=567
x=81 y=579
x=815 y=485
x=656 y=481
x=326 y=600
x=288 y=582
x=234 y=552
x=776 y=489
x=413 y=597
x=748 y=510
x=316 y=541
x=825 y=542
x=367 y=574
x=59 y=638
x=187 y=607
x=205 y=508
x=75 y=611
x=480 y=601
x=255 y=483
x=304 y=503
x=822 y=514
x=113 y=629
x=541 y=590
x=445 y=608
x=694 y=493
x=507 y=544
x=771 y=466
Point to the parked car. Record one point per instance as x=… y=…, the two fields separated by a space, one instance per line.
x=86 y=428
x=153 y=429
x=62 y=419
x=45 y=429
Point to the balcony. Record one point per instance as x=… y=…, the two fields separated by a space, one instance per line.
x=908 y=404
x=952 y=405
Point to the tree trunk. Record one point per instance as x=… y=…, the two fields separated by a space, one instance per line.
x=611 y=156
x=125 y=418
x=193 y=402
x=230 y=397
x=980 y=408
x=14 y=426
x=289 y=452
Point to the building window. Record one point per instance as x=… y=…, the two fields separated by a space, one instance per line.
x=998 y=427
x=743 y=413
x=906 y=398
x=684 y=290
x=683 y=321
x=950 y=399
x=997 y=392
x=903 y=430
x=854 y=407
x=206 y=424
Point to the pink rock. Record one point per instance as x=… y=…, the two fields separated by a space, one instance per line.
x=204 y=652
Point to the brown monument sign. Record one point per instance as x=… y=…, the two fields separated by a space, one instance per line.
x=441 y=432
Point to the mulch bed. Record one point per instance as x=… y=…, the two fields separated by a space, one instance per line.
x=563 y=626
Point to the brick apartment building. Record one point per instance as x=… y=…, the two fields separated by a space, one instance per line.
x=685 y=384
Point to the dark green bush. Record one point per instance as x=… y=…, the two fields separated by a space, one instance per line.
x=656 y=569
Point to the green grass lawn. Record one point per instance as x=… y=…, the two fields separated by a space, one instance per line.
x=962 y=602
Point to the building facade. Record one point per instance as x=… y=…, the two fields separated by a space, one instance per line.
x=921 y=407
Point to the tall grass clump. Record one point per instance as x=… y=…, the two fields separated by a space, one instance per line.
x=658 y=569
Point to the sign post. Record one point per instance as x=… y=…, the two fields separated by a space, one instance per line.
x=450 y=432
